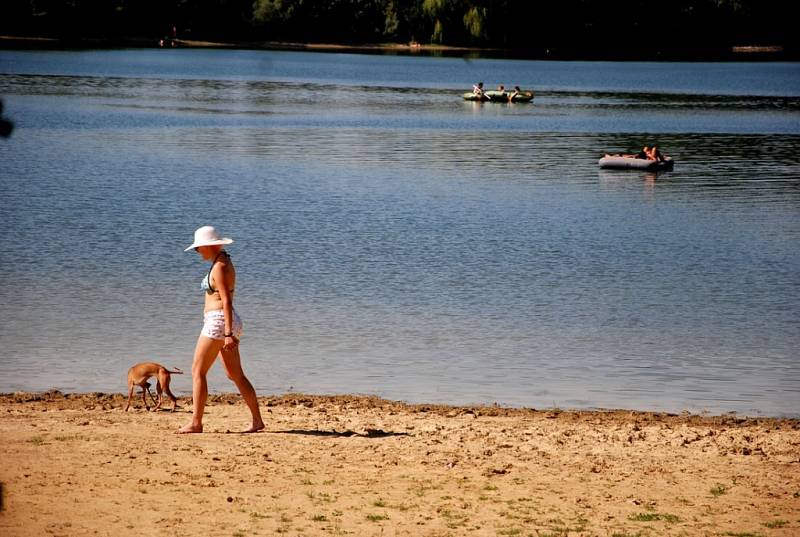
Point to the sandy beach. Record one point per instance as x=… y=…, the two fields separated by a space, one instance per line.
x=77 y=464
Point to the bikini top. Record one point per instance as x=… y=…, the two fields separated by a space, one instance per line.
x=205 y=284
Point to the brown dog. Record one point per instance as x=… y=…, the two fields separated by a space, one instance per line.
x=138 y=375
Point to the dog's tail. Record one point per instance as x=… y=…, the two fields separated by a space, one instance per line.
x=176 y=372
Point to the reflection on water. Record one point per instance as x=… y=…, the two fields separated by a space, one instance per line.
x=388 y=106
x=394 y=239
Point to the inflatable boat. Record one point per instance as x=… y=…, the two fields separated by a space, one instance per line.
x=617 y=162
x=495 y=96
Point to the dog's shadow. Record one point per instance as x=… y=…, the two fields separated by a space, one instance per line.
x=170 y=410
x=368 y=433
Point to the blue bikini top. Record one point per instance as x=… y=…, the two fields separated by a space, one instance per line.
x=205 y=284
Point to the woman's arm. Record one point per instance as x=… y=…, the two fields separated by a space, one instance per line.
x=221 y=274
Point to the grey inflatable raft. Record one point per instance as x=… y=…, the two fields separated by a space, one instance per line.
x=616 y=162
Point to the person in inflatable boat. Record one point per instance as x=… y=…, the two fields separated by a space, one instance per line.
x=654 y=154
x=647 y=153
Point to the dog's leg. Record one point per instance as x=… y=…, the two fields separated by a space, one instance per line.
x=144 y=400
x=165 y=384
x=151 y=393
x=130 y=395
x=159 y=392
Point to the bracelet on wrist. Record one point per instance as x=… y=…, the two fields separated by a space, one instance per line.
x=228 y=335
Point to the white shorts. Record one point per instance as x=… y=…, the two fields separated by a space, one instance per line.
x=214 y=325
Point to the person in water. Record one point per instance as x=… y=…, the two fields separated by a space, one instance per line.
x=657 y=155
x=641 y=154
x=222 y=329
x=647 y=153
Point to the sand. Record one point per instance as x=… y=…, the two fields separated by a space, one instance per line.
x=77 y=464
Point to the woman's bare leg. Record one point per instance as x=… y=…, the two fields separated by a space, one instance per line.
x=233 y=367
x=205 y=353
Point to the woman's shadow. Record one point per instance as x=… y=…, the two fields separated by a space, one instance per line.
x=368 y=433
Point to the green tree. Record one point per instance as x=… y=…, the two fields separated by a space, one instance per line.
x=474 y=20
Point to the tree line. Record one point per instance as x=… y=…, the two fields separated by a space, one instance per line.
x=565 y=28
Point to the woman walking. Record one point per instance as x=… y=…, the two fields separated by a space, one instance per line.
x=221 y=331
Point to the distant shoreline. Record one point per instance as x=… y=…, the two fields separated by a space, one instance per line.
x=735 y=53
x=16 y=41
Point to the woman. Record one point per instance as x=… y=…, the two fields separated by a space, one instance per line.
x=222 y=329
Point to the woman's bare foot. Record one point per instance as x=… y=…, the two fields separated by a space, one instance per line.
x=255 y=428
x=189 y=429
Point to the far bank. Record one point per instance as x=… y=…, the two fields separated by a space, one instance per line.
x=732 y=54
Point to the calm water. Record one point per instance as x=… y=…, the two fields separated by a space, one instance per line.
x=392 y=239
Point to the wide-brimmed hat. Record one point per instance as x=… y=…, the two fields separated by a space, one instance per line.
x=207 y=236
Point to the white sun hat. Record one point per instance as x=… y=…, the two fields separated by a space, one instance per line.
x=207 y=236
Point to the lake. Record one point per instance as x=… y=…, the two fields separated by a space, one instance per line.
x=394 y=239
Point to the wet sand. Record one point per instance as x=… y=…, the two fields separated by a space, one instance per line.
x=77 y=464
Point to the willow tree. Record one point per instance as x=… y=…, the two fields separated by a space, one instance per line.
x=474 y=21
x=440 y=11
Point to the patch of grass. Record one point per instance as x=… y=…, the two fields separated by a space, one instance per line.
x=718 y=490
x=303 y=470
x=377 y=518
x=453 y=519
x=560 y=529
x=286 y=525
x=419 y=491
x=509 y=531
x=652 y=517
x=509 y=515
x=258 y=515
x=743 y=534
x=239 y=533
x=776 y=524
x=626 y=534
x=36 y=440
x=557 y=529
x=379 y=503
x=319 y=518
x=581 y=522
x=422 y=487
